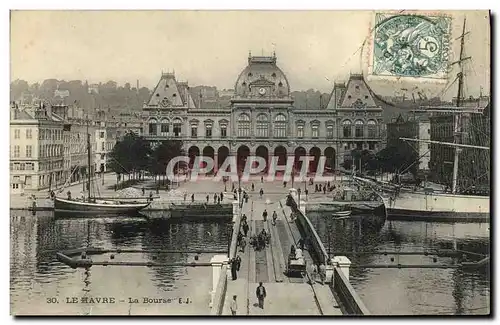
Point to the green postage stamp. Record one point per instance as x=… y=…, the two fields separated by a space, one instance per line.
x=410 y=45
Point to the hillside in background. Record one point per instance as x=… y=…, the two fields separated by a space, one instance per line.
x=127 y=99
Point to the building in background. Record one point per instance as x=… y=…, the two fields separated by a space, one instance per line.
x=36 y=149
x=414 y=127
x=260 y=119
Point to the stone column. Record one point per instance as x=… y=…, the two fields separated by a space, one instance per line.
x=217 y=261
x=216 y=160
x=343 y=263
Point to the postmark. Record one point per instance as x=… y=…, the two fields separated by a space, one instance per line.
x=411 y=45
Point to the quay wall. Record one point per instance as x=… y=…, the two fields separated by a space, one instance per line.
x=350 y=300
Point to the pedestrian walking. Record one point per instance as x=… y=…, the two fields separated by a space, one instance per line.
x=192 y=197
x=261 y=192
x=238 y=263
x=264 y=215
x=243 y=244
x=284 y=184
x=306 y=192
x=215 y=198
x=233 y=269
x=261 y=295
x=208 y=198
x=234 y=306
x=218 y=200
x=143 y=191
x=322 y=273
x=324 y=189
x=253 y=187
x=151 y=196
x=221 y=196
x=314 y=272
x=245 y=229
x=275 y=217
x=262 y=179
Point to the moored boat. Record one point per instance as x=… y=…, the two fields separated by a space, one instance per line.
x=99 y=207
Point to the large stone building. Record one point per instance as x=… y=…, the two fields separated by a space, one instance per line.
x=414 y=128
x=261 y=119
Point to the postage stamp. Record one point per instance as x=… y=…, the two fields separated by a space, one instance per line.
x=410 y=45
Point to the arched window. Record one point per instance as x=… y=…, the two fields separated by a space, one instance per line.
x=347 y=130
x=244 y=125
x=262 y=126
x=280 y=126
x=164 y=127
x=359 y=129
x=372 y=129
x=177 y=127
x=153 y=129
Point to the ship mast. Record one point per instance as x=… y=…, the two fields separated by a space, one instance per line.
x=88 y=160
x=457 y=117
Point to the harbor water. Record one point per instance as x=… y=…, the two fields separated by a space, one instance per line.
x=42 y=285
x=411 y=291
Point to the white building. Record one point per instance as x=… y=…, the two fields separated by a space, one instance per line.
x=36 y=149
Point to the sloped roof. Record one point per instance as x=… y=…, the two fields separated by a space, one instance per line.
x=169 y=92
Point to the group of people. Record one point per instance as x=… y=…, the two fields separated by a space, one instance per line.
x=318 y=188
x=261 y=240
x=261 y=294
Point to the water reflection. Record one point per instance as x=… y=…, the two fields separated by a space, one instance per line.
x=36 y=274
x=411 y=291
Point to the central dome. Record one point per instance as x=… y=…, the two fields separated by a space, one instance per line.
x=262 y=78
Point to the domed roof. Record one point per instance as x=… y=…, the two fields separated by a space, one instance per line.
x=262 y=71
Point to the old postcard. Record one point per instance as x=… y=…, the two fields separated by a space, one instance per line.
x=241 y=163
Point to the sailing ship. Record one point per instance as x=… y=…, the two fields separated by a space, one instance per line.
x=91 y=205
x=454 y=205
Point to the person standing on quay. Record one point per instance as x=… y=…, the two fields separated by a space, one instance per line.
x=192 y=197
x=264 y=215
x=261 y=294
x=215 y=198
x=233 y=269
x=234 y=306
x=261 y=193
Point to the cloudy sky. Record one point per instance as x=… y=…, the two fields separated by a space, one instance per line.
x=313 y=48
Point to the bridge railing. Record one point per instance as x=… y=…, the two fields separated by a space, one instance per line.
x=220 y=293
x=341 y=287
x=349 y=299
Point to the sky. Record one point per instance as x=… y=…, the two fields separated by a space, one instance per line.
x=314 y=48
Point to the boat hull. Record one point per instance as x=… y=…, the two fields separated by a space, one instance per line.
x=63 y=206
x=437 y=207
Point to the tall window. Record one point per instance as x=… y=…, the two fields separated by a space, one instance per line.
x=315 y=131
x=28 y=133
x=102 y=135
x=359 y=129
x=371 y=145
x=152 y=127
x=300 y=131
x=280 y=126
x=17 y=134
x=208 y=130
x=223 y=131
x=28 y=151
x=16 y=151
x=103 y=146
x=262 y=126
x=194 y=131
x=372 y=129
x=177 y=128
x=244 y=125
x=347 y=129
x=329 y=131
x=164 y=127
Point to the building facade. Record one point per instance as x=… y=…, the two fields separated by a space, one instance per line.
x=414 y=128
x=36 y=150
x=261 y=119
